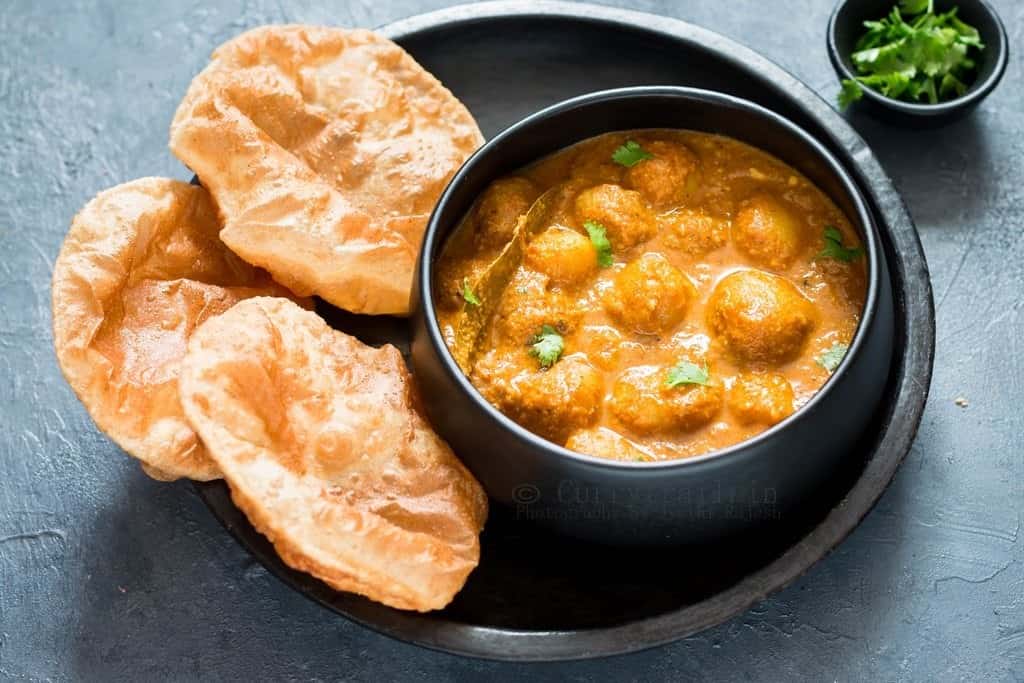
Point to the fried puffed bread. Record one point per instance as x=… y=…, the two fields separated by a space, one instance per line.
x=140 y=268
x=326 y=150
x=321 y=442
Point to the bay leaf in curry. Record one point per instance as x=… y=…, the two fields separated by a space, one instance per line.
x=490 y=285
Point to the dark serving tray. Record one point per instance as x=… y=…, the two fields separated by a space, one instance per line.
x=538 y=597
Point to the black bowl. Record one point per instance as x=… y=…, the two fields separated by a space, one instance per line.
x=737 y=489
x=846 y=25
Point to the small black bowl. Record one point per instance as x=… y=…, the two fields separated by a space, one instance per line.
x=846 y=26
x=683 y=501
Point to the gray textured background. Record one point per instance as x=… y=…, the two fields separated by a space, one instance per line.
x=104 y=573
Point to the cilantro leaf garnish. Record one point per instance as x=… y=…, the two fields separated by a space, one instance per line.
x=547 y=346
x=630 y=154
x=834 y=247
x=599 y=238
x=467 y=293
x=849 y=92
x=831 y=359
x=686 y=373
x=915 y=6
x=913 y=54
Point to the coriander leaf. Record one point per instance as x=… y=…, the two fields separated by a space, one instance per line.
x=630 y=154
x=929 y=89
x=686 y=373
x=914 y=89
x=966 y=34
x=599 y=238
x=849 y=93
x=831 y=359
x=892 y=84
x=467 y=293
x=834 y=246
x=876 y=32
x=951 y=84
x=911 y=61
x=547 y=346
x=868 y=57
x=916 y=6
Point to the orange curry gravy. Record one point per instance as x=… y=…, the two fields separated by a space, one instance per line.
x=717 y=262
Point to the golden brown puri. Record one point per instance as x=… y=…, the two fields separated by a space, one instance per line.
x=321 y=442
x=686 y=300
x=325 y=150
x=759 y=316
x=623 y=213
x=140 y=268
x=764 y=398
x=649 y=296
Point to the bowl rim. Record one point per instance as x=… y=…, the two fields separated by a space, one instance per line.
x=745 y=448
x=975 y=93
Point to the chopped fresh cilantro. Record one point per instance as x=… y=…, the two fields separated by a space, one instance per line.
x=467 y=293
x=547 y=346
x=630 y=154
x=599 y=238
x=849 y=93
x=831 y=359
x=913 y=54
x=834 y=246
x=686 y=373
x=915 y=6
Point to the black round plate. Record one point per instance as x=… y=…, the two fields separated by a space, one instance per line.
x=537 y=597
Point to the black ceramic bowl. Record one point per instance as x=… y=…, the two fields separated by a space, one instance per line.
x=846 y=26
x=683 y=501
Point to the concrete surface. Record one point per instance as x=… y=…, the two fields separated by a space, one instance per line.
x=106 y=574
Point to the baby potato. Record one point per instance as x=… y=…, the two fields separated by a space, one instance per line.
x=768 y=232
x=564 y=255
x=552 y=403
x=694 y=232
x=638 y=400
x=527 y=304
x=759 y=316
x=602 y=442
x=695 y=404
x=650 y=295
x=762 y=398
x=667 y=176
x=500 y=207
x=643 y=401
x=623 y=213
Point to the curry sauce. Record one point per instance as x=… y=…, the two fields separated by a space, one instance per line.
x=683 y=292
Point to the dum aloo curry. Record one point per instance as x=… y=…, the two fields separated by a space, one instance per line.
x=651 y=294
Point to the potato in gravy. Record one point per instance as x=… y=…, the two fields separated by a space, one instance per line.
x=685 y=292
